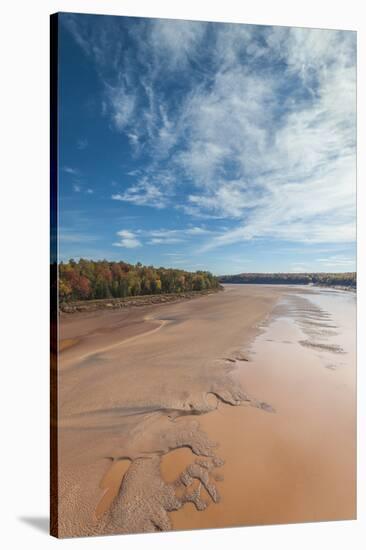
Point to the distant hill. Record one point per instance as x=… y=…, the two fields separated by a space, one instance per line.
x=323 y=279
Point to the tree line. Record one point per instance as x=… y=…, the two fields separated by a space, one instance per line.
x=326 y=279
x=92 y=280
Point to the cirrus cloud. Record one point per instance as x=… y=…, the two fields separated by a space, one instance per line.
x=254 y=125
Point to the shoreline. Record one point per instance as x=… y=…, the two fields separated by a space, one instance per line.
x=86 y=327
x=84 y=306
x=296 y=285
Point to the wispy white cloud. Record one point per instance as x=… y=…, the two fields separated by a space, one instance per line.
x=143 y=193
x=70 y=170
x=172 y=236
x=78 y=186
x=128 y=239
x=175 y=44
x=131 y=239
x=122 y=105
x=262 y=129
x=165 y=240
x=78 y=180
x=300 y=177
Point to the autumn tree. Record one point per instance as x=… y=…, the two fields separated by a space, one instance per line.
x=87 y=279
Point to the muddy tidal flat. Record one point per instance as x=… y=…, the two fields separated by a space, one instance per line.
x=236 y=408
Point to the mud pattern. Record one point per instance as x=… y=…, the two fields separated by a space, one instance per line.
x=145 y=499
x=132 y=393
x=333 y=348
x=316 y=324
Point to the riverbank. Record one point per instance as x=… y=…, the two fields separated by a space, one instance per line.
x=132 y=301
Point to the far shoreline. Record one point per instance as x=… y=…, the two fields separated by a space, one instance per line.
x=87 y=306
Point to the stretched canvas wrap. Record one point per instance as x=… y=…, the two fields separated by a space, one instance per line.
x=203 y=285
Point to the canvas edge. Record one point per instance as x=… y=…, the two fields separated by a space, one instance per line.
x=54 y=493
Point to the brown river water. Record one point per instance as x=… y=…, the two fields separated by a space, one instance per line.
x=297 y=464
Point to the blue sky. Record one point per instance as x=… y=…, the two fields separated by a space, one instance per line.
x=207 y=145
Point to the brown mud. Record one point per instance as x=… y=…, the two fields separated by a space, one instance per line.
x=164 y=411
x=298 y=464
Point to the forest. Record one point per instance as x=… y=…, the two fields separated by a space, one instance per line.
x=323 y=279
x=91 y=280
